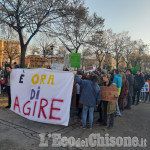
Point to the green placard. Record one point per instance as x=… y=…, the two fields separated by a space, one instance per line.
x=75 y=59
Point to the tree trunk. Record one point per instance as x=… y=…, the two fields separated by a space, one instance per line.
x=22 y=58
x=82 y=62
x=117 y=65
x=10 y=61
x=99 y=65
x=127 y=64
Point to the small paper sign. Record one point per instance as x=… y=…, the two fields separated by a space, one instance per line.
x=145 y=88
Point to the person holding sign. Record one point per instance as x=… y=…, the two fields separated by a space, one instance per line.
x=109 y=107
x=90 y=97
x=148 y=93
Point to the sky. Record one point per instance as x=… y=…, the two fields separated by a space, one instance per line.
x=124 y=15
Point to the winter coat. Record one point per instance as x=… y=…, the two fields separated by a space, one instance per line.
x=91 y=94
x=130 y=79
x=118 y=80
x=139 y=81
x=7 y=77
x=111 y=106
x=124 y=90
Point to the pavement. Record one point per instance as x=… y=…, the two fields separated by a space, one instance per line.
x=18 y=133
x=3 y=99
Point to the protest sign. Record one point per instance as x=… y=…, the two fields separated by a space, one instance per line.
x=57 y=66
x=109 y=93
x=90 y=67
x=145 y=88
x=42 y=95
x=75 y=59
x=66 y=61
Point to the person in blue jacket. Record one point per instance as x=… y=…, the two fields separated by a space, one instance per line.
x=118 y=81
x=90 y=97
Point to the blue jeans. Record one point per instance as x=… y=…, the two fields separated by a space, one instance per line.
x=143 y=95
x=118 y=110
x=85 y=110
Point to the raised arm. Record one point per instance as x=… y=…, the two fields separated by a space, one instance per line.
x=80 y=81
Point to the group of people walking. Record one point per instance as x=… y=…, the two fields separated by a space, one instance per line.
x=88 y=94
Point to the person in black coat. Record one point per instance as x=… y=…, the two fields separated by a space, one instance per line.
x=7 y=83
x=139 y=80
x=130 y=79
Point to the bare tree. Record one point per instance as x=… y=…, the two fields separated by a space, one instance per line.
x=32 y=16
x=139 y=53
x=108 y=61
x=119 y=46
x=33 y=50
x=45 y=44
x=129 y=49
x=61 y=51
x=146 y=61
x=101 y=45
x=74 y=34
x=86 y=53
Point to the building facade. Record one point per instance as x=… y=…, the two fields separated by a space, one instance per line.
x=9 y=52
x=37 y=61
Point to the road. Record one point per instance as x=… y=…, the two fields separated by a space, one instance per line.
x=18 y=133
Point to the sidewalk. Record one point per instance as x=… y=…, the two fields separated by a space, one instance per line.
x=20 y=133
x=3 y=99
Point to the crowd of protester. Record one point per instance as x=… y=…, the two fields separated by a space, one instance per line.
x=87 y=92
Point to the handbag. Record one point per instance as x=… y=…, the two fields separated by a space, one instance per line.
x=3 y=81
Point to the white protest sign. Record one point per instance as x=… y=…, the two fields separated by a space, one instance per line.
x=57 y=67
x=145 y=88
x=42 y=95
